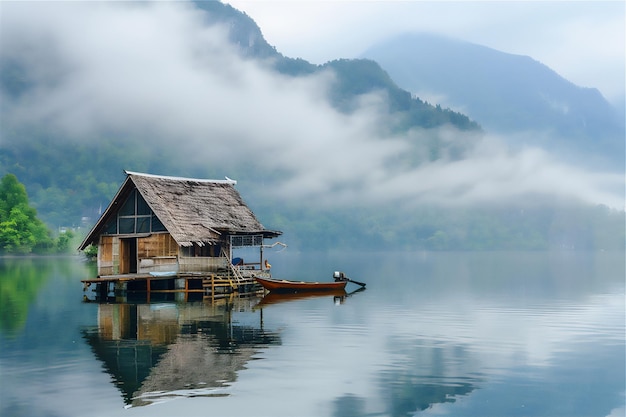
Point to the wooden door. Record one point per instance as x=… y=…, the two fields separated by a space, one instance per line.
x=128 y=256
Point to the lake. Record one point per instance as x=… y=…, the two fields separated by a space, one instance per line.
x=434 y=334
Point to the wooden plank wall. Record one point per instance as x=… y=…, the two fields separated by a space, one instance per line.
x=106 y=256
x=202 y=264
x=162 y=244
x=157 y=252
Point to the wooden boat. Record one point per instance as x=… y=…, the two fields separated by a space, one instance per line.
x=282 y=285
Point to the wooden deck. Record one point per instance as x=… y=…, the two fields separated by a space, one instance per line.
x=210 y=285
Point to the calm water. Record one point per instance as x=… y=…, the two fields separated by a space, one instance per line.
x=445 y=334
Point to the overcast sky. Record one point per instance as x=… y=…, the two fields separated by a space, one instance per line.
x=581 y=40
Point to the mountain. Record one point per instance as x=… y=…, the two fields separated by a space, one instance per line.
x=355 y=77
x=357 y=137
x=507 y=94
x=66 y=192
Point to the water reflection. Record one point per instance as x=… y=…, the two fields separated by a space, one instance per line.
x=21 y=280
x=349 y=405
x=426 y=374
x=338 y=296
x=434 y=335
x=156 y=352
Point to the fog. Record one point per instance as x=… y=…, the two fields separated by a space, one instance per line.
x=156 y=71
x=581 y=40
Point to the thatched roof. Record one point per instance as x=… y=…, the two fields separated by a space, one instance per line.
x=192 y=210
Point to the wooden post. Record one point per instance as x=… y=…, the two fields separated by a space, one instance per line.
x=104 y=290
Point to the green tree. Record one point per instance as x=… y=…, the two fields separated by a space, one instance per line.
x=20 y=229
x=64 y=240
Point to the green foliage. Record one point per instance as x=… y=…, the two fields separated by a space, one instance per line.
x=66 y=192
x=20 y=229
x=64 y=240
x=91 y=252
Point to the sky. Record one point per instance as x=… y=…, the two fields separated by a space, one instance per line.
x=164 y=76
x=584 y=41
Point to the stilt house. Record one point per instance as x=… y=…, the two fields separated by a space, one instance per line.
x=159 y=224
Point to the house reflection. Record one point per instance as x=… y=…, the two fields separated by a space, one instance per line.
x=159 y=351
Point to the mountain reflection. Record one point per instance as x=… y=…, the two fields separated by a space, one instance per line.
x=158 y=351
x=426 y=374
x=404 y=394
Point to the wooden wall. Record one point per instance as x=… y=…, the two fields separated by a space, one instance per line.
x=158 y=252
x=157 y=245
x=108 y=255
x=202 y=264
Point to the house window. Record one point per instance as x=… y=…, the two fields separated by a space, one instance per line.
x=205 y=251
x=111 y=227
x=126 y=225
x=142 y=207
x=157 y=226
x=246 y=240
x=143 y=224
x=128 y=208
x=134 y=216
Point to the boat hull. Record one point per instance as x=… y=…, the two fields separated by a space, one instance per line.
x=284 y=286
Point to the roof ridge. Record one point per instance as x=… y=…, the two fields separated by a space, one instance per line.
x=225 y=181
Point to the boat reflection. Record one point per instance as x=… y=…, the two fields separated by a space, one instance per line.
x=339 y=296
x=155 y=352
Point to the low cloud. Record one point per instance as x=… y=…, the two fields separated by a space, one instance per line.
x=157 y=71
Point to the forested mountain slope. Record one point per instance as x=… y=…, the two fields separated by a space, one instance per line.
x=506 y=94
x=334 y=155
x=69 y=180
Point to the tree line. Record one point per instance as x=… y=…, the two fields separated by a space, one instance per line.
x=551 y=226
x=21 y=231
